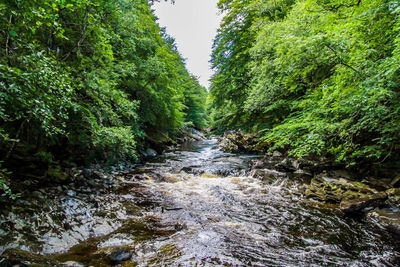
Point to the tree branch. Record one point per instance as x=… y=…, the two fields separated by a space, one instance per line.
x=83 y=35
x=8 y=34
x=341 y=61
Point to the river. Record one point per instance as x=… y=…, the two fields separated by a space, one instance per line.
x=198 y=206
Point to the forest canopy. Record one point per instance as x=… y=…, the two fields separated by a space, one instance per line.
x=315 y=77
x=88 y=79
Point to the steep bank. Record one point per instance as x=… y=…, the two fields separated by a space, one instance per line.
x=314 y=78
x=84 y=82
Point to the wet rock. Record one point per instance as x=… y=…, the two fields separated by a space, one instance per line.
x=21 y=258
x=87 y=173
x=72 y=264
x=186 y=169
x=394 y=196
x=138 y=171
x=188 y=134
x=98 y=175
x=229 y=146
x=57 y=174
x=389 y=219
x=277 y=154
x=332 y=190
x=360 y=205
x=139 y=177
x=68 y=164
x=237 y=141
x=267 y=174
x=71 y=193
x=321 y=165
x=150 y=153
x=268 y=162
x=119 y=255
x=37 y=194
x=395 y=182
x=301 y=175
x=195 y=135
x=258 y=164
x=288 y=165
x=90 y=174
x=380 y=184
x=179 y=226
x=156 y=176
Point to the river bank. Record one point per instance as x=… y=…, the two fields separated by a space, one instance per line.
x=192 y=205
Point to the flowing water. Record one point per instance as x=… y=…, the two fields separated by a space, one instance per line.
x=198 y=206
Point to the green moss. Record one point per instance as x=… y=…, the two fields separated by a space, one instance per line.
x=17 y=256
x=57 y=174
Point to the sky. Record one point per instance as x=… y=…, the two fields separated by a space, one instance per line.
x=193 y=24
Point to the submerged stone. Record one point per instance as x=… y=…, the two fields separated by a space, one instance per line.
x=389 y=219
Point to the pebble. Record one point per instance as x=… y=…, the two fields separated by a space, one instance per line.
x=71 y=193
x=73 y=264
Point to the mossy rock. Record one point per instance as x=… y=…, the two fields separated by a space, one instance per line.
x=394 y=196
x=18 y=257
x=56 y=173
x=334 y=191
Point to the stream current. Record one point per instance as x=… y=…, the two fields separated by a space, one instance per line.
x=198 y=206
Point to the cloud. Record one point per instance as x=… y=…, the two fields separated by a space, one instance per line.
x=193 y=24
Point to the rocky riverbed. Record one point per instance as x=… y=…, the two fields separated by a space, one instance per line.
x=198 y=205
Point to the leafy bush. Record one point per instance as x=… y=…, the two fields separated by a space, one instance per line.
x=322 y=77
x=84 y=78
x=5 y=191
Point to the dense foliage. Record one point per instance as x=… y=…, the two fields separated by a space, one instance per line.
x=316 y=77
x=88 y=79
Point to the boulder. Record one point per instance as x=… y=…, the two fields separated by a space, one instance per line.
x=394 y=196
x=267 y=162
x=267 y=174
x=288 y=165
x=150 y=153
x=237 y=141
x=119 y=255
x=361 y=204
x=333 y=190
x=195 y=135
x=229 y=146
x=380 y=184
x=56 y=174
x=258 y=164
x=301 y=175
